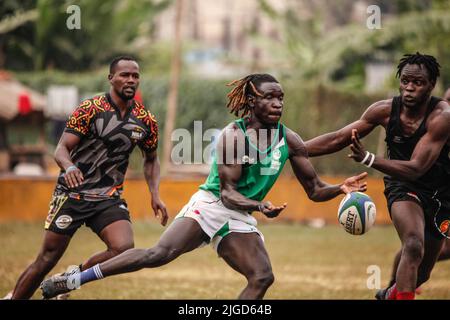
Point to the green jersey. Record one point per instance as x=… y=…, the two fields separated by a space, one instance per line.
x=260 y=168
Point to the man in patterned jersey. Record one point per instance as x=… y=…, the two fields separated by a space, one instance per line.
x=251 y=153
x=93 y=155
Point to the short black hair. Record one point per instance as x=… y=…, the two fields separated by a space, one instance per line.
x=428 y=61
x=116 y=60
x=238 y=97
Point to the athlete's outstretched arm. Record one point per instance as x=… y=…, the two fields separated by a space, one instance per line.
x=375 y=115
x=424 y=155
x=152 y=177
x=316 y=189
x=66 y=144
x=230 y=170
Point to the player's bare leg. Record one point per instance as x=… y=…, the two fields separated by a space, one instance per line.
x=408 y=219
x=245 y=253
x=433 y=248
x=183 y=235
x=118 y=237
x=52 y=249
x=395 y=267
x=429 y=255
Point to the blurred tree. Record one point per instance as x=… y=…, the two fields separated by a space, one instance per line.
x=16 y=33
x=320 y=53
x=108 y=28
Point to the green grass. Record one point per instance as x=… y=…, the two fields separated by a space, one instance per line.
x=308 y=263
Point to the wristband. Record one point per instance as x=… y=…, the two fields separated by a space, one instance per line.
x=71 y=168
x=366 y=157
x=371 y=160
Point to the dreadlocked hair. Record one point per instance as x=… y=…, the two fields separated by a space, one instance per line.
x=238 y=97
x=429 y=62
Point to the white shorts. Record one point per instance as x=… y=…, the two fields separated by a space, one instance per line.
x=215 y=219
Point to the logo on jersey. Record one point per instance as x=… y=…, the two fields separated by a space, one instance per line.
x=443 y=228
x=275 y=164
x=398 y=139
x=137 y=134
x=63 y=221
x=276 y=154
x=413 y=195
x=247 y=159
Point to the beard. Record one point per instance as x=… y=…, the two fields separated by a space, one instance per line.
x=126 y=96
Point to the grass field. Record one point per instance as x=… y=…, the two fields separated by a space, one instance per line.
x=308 y=263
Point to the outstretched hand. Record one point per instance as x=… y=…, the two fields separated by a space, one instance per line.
x=355 y=183
x=358 y=150
x=271 y=211
x=160 y=210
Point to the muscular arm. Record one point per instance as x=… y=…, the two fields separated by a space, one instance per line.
x=66 y=143
x=425 y=153
x=73 y=176
x=152 y=171
x=230 y=172
x=316 y=189
x=152 y=177
x=377 y=114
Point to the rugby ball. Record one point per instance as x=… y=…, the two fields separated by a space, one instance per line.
x=357 y=213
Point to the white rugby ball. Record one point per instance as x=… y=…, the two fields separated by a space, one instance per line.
x=357 y=213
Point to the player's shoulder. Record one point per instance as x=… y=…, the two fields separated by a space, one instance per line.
x=381 y=106
x=291 y=134
x=378 y=112
x=232 y=130
x=294 y=141
x=442 y=108
x=441 y=113
x=143 y=114
x=385 y=103
x=94 y=105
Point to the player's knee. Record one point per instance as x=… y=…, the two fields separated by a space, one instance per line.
x=262 y=280
x=413 y=248
x=121 y=247
x=46 y=261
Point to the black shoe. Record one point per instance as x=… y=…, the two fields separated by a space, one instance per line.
x=381 y=294
x=384 y=294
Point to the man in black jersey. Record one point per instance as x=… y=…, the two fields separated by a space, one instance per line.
x=93 y=155
x=445 y=252
x=417 y=172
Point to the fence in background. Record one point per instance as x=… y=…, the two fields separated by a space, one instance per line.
x=27 y=199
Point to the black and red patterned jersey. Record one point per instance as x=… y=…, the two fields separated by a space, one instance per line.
x=107 y=141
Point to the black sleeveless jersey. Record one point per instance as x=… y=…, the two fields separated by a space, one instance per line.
x=401 y=147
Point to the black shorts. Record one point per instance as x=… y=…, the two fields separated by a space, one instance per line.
x=67 y=214
x=433 y=205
